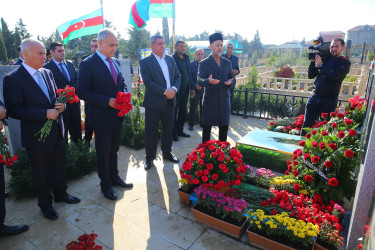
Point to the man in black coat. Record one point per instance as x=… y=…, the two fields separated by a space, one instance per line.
x=99 y=81
x=236 y=69
x=30 y=96
x=64 y=74
x=216 y=76
x=183 y=64
x=162 y=81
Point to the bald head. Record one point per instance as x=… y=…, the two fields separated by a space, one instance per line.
x=34 y=53
x=108 y=42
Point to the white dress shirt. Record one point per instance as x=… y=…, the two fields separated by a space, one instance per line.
x=164 y=67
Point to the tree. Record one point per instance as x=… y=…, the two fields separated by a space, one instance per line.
x=165 y=31
x=203 y=36
x=22 y=29
x=3 y=52
x=8 y=39
x=256 y=45
x=17 y=40
x=138 y=39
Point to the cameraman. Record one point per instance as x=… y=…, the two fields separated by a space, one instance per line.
x=330 y=75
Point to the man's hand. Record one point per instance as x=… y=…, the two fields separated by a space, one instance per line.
x=235 y=71
x=212 y=81
x=192 y=94
x=52 y=114
x=170 y=93
x=60 y=107
x=198 y=87
x=229 y=82
x=318 y=60
x=2 y=112
x=111 y=102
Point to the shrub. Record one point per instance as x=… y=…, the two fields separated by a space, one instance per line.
x=133 y=129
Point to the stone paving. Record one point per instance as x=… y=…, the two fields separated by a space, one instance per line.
x=149 y=216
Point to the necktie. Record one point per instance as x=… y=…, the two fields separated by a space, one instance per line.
x=113 y=71
x=64 y=72
x=42 y=84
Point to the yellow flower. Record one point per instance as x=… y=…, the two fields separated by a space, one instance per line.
x=259 y=226
x=257 y=222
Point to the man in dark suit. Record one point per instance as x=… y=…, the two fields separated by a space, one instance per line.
x=64 y=74
x=20 y=56
x=216 y=76
x=99 y=81
x=4 y=229
x=236 y=69
x=30 y=96
x=162 y=81
x=88 y=129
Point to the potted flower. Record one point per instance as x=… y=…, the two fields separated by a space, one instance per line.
x=219 y=211
x=262 y=177
x=329 y=237
x=280 y=231
x=185 y=191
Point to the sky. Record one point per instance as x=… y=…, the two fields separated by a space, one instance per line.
x=277 y=21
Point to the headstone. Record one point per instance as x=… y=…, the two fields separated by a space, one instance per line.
x=125 y=70
x=13 y=130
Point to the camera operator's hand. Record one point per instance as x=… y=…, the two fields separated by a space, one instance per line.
x=318 y=60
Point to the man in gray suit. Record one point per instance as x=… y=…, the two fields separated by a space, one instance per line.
x=162 y=81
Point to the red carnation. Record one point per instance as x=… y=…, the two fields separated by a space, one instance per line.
x=215 y=177
x=314 y=144
x=274 y=212
x=352 y=132
x=348 y=121
x=287 y=172
x=290 y=168
x=309 y=178
x=222 y=166
x=199 y=173
x=317 y=198
x=333 y=114
x=307 y=136
x=341 y=134
x=206 y=172
x=201 y=162
x=324 y=133
x=195 y=181
x=322 y=145
x=238 y=182
x=332 y=145
x=205 y=178
x=328 y=164
x=225 y=170
x=313 y=132
x=295 y=163
x=349 y=153
x=297 y=186
x=295 y=172
x=302 y=143
x=210 y=166
x=340 y=115
x=324 y=115
x=306 y=156
x=333 y=182
x=333 y=124
x=212 y=147
x=263 y=203
x=315 y=159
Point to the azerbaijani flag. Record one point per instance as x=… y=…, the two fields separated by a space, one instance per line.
x=142 y=10
x=86 y=25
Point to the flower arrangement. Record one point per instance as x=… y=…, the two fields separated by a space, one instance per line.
x=224 y=206
x=64 y=95
x=329 y=158
x=213 y=164
x=356 y=110
x=283 y=226
x=330 y=235
x=85 y=241
x=5 y=156
x=123 y=103
x=287 y=125
x=285 y=72
x=280 y=183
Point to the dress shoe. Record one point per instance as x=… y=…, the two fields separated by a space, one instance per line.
x=67 y=199
x=109 y=194
x=13 y=230
x=6 y=194
x=121 y=183
x=148 y=164
x=171 y=158
x=50 y=213
x=191 y=127
x=175 y=137
x=183 y=134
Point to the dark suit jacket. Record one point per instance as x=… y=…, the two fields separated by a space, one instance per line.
x=18 y=62
x=85 y=56
x=155 y=83
x=234 y=60
x=60 y=80
x=25 y=101
x=96 y=86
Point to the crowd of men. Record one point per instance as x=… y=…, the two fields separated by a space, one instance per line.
x=170 y=81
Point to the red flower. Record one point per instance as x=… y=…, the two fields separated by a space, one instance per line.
x=333 y=124
x=263 y=203
x=307 y=136
x=215 y=177
x=297 y=186
x=199 y=173
x=324 y=133
x=210 y=166
x=238 y=182
x=317 y=198
x=333 y=182
x=302 y=143
x=341 y=134
x=205 y=178
x=314 y=144
x=290 y=168
x=352 y=132
x=225 y=170
x=195 y=181
x=201 y=162
x=333 y=114
x=313 y=132
x=340 y=115
x=206 y=172
x=309 y=178
x=212 y=147
x=332 y=145
x=348 y=121
x=274 y=212
x=324 y=115
x=295 y=163
x=322 y=145
x=328 y=164
x=287 y=172
x=295 y=157
x=295 y=172
x=306 y=156
x=222 y=166
x=349 y=153
x=315 y=159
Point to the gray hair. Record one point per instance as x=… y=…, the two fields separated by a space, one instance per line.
x=104 y=33
x=27 y=43
x=153 y=38
x=230 y=43
x=196 y=51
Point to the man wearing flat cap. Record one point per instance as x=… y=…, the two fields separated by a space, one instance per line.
x=216 y=75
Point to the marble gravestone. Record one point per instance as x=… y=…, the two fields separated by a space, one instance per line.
x=125 y=70
x=13 y=130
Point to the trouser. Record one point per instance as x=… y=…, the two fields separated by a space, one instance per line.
x=152 y=118
x=72 y=122
x=48 y=165
x=223 y=133
x=180 y=112
x=107 y=144
x=315 y=106
x=197 y=100
x=88 y=129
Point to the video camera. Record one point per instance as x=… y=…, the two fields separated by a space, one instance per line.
x=320 y=48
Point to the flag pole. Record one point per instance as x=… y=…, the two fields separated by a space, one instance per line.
x=101 y=5
x=173 y=26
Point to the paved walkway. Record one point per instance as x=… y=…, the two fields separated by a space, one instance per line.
x=149 y=216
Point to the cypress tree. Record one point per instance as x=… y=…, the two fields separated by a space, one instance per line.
x=3 y=52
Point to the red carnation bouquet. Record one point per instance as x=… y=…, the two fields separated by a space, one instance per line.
x=85 y=241
x=123 y=103
x=65 y=95
x=5 y=156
